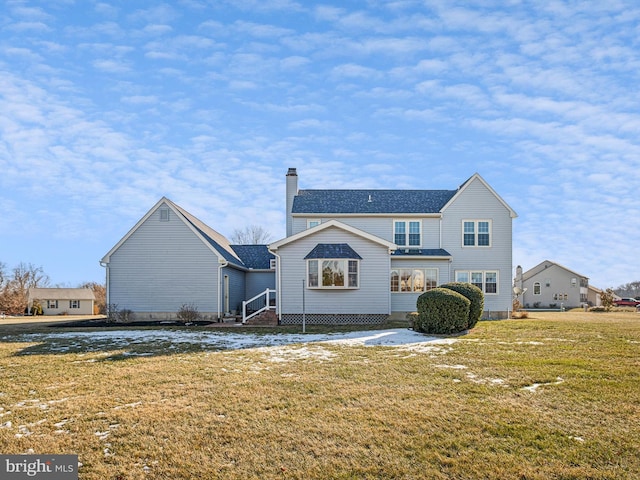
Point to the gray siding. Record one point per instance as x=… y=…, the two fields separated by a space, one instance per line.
x=553 y=280
x=371 y=298
x=161 y=266
x=476 y=202
x=236 y=288
x=382 y=226
x=258 y=282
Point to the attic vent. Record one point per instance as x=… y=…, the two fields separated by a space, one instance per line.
x=164 y=214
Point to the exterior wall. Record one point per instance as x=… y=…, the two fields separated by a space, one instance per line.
x=258 y=281
x=476 y=202
x=381 y=226
x=236 y=288
x=371 y=298
x=64 y=307
x=554 y=280
x=161 y=266
x=405 y=302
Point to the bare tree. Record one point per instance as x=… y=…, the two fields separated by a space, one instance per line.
x=251 y=235
x=14 y=289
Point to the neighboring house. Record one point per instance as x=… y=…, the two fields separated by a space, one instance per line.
x=62 y=301
x=350 y=256
x=551 y=285
x=170 y=258
x=594 y=296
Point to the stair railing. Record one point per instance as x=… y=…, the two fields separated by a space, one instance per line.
x=256 y=305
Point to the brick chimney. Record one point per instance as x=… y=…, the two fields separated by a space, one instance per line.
x=292 y=191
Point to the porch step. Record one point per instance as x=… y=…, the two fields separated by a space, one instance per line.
x=268 y=317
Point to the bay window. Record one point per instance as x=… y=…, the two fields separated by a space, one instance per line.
x=333 y=273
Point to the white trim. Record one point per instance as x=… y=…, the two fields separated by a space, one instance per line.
x=476 y=232
x=317 y=222
x=346 y=285
x=484 y=278
x=407 y=232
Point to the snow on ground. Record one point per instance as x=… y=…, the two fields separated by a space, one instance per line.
x=65 y=341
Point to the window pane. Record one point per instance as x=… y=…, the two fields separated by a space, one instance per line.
x=431 y=278
x=333 y=273
x=414 y=233
x=491 y=282
x=536 y=288
x=418 y=281
x=405 y=280
x=483 y=234
x=462 y=277
x=469 y=233
x=313 y=273
x=400 y=237
x=476 y=279
x=353 y=273
x=395 y=281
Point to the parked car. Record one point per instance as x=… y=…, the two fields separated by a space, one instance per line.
x=626 y=302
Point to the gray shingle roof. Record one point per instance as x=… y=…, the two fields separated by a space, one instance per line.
x=425 y=252
x=333 y=250
x=371 y=201
x=254 y=256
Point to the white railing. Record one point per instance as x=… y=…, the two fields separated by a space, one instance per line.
x=258 y=304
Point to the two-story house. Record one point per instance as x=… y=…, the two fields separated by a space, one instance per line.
x=349 y=256
x=360 y=256
x=551 y=285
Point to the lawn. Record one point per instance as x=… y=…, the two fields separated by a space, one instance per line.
x=554 y=396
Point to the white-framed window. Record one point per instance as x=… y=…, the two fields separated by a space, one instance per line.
x=52 y=303
x=407 y=233
x=74 y=303
x=164 y=214
x=272 y=263
x=333 y=273
x=411 y=280
x=313 y=222
x=536 y=288
x=486 y=280
x=476 y=233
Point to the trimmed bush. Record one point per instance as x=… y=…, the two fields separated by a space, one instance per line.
x=442 y=311
x=475 y=296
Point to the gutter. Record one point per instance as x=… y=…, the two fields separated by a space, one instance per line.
x=278 y=285
x=221 y=264
x=108 y=287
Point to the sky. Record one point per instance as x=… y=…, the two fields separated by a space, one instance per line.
x=105 y=107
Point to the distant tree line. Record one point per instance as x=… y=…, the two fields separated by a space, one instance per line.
x=16 y=282
x=631 y=289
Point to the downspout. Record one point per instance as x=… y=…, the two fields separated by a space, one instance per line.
x=107 y=286
x=222 y=263
x=278 y=285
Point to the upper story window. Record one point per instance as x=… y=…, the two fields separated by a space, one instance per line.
x=333 y=273
x=536 y=288
x=314 y=222
x=476 y=233
x=407 y=233
x=164 y=214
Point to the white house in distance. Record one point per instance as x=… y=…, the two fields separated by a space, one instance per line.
x=349 y=256
x=60 y=301
x=551 y=285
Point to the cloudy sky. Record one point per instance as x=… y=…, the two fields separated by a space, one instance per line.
x=105 y=107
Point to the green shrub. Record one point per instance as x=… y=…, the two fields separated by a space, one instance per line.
x=442 y=311
x=475 y=296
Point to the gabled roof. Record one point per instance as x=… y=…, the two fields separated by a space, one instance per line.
x=256 y=257
x=370 y=201
x=465 y=185
x=336 y=224
x=216 y=242
x=60 y=294
x=542 y=266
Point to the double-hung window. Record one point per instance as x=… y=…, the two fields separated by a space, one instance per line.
x=332 y=273
x=407 y=233
x=74 y=303
x=487 y=281
x=476 y=233
x=52 y=303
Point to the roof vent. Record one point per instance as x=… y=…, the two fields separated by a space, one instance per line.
x=370 y=199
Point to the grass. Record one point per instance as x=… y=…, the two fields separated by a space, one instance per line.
x=554 y=396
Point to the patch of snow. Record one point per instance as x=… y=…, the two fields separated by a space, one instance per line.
x=533 y=388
